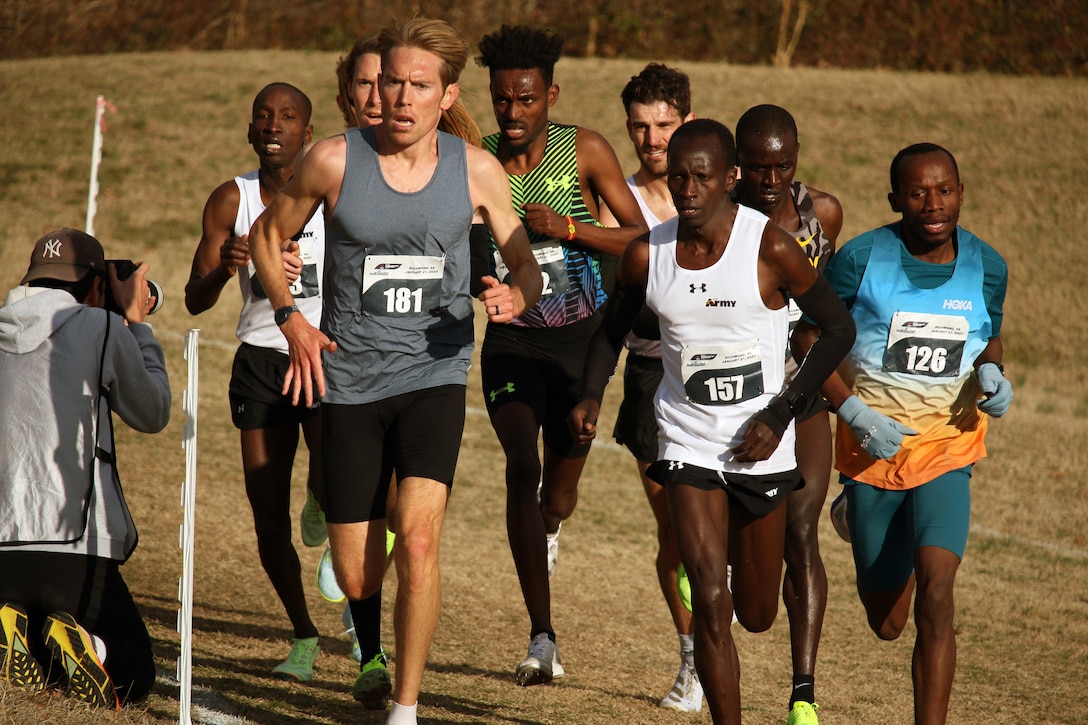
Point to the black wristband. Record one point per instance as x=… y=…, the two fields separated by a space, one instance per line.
x=776 y=416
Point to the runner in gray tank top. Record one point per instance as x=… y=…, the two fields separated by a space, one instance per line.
x=410 y=289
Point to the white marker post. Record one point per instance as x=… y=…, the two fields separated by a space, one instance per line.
x=101 y=105
x=188 y=504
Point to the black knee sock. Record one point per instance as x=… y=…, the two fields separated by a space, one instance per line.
x=803 y=689
x=367 y=616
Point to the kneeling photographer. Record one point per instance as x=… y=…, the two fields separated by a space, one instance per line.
x=67 y=618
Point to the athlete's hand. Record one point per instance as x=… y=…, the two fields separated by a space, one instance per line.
x=305 y=344
x=292 y=262
x=234 y=253
x=996 y=390
x=542 y=219
x=582 y=421
x=498 y=300
x=878 y=434
x=758 y=444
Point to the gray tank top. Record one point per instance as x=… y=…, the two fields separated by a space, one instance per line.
x=397 y=299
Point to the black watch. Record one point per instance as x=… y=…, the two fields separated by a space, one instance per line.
x=284 y=312
x=796 y=401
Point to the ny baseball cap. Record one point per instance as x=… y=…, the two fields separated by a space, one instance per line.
x=65 y=255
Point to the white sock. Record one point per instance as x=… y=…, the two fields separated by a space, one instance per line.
x=99 y=648
x=687 y=649
x=402 y=714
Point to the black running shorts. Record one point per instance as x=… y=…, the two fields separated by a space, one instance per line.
x=636 y=424
x=540 y=367
x=416 y=434
x=759 y=495
x=256 y=380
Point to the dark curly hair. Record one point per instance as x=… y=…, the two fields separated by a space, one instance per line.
x=520 y=47
x=658 y=82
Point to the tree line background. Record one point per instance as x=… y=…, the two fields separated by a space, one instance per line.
x=1037 y=37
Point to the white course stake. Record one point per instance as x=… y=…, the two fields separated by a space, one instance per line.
x=188 y=505
x=101 y=105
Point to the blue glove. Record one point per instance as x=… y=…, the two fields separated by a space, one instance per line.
x=879 y=435
x=996 y=390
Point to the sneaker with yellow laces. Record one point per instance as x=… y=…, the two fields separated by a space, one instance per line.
x=803 y=713
x=299 y=664
x=314 y=531
x=372 y=685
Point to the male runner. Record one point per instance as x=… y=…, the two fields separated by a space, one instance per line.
x=767 y=150
x=269 y=421
x=531 y=369
x=396 y=332
x=927 y=296
x=718 y=277
x=657 y=101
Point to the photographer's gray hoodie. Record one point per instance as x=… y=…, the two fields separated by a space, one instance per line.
x=55 y=493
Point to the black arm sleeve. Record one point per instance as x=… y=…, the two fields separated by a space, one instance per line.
x=822 y=305
x=619 y=313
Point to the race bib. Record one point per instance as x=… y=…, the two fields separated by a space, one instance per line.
x=396 y=285
x=553 y=268
x=307 y=284
x=925 y=344
x=722 y=374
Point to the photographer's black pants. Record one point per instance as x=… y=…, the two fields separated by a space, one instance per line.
x=91 y=590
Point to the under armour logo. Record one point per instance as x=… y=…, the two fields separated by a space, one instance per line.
x=676 y=465
x=52 y=248
x=508 y=388
x=563 y=182
x=701 y=288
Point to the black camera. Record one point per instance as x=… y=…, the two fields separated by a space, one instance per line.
x=125 y=268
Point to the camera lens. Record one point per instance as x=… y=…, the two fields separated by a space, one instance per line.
x=156 y=291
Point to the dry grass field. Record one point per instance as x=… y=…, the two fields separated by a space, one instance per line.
x=1022 y=618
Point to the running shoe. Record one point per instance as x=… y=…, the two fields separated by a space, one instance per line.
x=73 y=648
x=686 y=694
x=314 y=532
x=542 y=665
x=326 y=579
x=349 y=629
x=838 y=517
x=373 y=684
x=683 y=586
x=17 y=665
x=803 y=713
x=299 y=664
x=553 y=549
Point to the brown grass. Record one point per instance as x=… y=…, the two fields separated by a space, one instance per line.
x=1023 y=604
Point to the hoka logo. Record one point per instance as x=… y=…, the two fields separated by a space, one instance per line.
x=388 y=265
x=508 y=388
x=721 y=303
x=563 y=182
x=957 y=304
x=704 y=356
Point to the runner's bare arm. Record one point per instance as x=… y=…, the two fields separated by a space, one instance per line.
x=315 y=174
x=600 y=177
x=491 y=199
